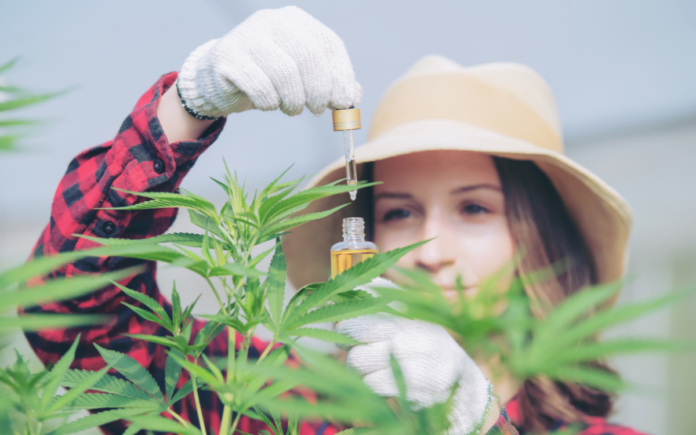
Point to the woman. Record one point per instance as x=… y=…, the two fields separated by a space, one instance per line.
x=439 y=180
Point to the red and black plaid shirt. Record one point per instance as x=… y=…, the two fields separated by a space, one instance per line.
x=140 y=159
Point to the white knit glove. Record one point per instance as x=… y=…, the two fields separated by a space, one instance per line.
x=276 y=58
x=431 y=361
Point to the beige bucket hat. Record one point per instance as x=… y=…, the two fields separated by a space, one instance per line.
x=501 y=109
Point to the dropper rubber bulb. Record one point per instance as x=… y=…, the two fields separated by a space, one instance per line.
x=347 y=120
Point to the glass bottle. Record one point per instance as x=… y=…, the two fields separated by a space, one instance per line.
x=353 y=249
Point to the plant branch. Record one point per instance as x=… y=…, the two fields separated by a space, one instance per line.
x=267 y=350
x=199 y=410
x=217 y=296
x=235 y=423
x=231 y=350
x=181 y=420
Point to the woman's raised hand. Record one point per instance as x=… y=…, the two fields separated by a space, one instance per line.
x=277 y=58
x=431 y=361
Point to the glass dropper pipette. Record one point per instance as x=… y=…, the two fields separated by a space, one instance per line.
x=347 y=120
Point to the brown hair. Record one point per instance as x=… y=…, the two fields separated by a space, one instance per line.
x=540 y=223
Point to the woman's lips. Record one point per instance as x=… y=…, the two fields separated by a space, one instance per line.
x=453 y=293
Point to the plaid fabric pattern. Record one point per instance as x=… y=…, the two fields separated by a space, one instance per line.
x=590 y=425
x=138 y=159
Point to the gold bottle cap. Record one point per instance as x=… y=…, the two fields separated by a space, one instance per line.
x=346 y=119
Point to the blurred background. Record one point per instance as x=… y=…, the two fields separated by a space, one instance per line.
x=623 y=73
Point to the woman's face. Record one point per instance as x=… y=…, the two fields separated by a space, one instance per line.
x=454 y=197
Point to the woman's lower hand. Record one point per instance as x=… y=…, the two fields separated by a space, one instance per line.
x=431 y=361
x=277 y=58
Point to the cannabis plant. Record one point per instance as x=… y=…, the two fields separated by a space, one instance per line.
x=13 y=98
x=247 y=298
x=496 y=320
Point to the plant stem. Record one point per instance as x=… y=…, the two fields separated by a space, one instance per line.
x=178 y=417
x=251 y=245
x=267 y=350
x=217 y=296
x=225 y=423
x=234 y=425
x=198 y=402
x=231 y=350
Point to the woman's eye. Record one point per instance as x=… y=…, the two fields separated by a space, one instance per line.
x=396 y=214
x=474 y=209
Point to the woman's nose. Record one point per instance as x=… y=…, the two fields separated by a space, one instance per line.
x=437 y=253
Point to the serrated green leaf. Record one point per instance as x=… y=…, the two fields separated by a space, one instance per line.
x=186 y=239
x=15 y=122
x=213 y=369
x=161 y=424
x=198 y=371
x=147 y=315
x=56 y=374
x=60 y=288
x=158 y=339
x=176 y=307
x=574 y=307
x=234 y=269
x=101 y=400
x=270 y=202
x=11 y=63
x=141 y=251
x=71 y=395
x=298 y=297
x=169 y=200
x=228 y=321
x=256 y=260
x=107 y=384
x=321 y=334
x=132 y=370
x=133 y=429
x=596 y=378
x=25 y=101
x=184 y=391
x=357 y=275
x=147 y=301
x=9 y=142
x=274 y=186
x=35 y=322
x=95 y=420
x=37 y=267
x=275 y=284
x=172 y=373
x=602 y=350
x=208 y=333
x=300 y=220
x=309 y=195
x=614 y=316
x=340 y=311
x=202 y=221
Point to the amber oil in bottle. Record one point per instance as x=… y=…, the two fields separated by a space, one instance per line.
x=353 y=249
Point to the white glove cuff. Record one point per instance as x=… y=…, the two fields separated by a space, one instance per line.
x=470 y=407
x=196 y=80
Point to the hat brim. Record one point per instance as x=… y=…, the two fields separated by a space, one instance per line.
x=602 y=215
